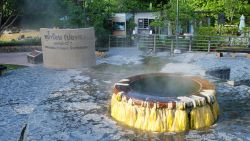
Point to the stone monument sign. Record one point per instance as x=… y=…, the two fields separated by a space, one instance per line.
x=68 y=48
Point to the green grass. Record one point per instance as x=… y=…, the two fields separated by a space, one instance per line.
x=13 y=67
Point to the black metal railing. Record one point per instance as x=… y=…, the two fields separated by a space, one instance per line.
x=158 y=42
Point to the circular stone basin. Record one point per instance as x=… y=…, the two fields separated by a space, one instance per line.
x=164 y=102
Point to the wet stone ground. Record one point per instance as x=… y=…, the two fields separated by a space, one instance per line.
x=74 y=104
x=81 y=111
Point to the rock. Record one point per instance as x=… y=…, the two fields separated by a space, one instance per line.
x=222 y=73
x=3 y=69
x=35 y=57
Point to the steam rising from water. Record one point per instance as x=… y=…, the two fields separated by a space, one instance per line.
x=42 y=13
x=165 y=86
x=183 y=68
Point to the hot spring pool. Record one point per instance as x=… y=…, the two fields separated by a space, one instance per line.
x=164 y=102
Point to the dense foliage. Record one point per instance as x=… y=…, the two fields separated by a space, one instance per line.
x=25 y=42
x=97 y=13
x=231 y=8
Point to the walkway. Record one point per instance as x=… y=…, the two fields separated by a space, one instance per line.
x=19 y=58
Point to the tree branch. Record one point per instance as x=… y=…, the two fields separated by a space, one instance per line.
x=6 y=24
x=1 y=11
x=7 y=21
x=1 y=16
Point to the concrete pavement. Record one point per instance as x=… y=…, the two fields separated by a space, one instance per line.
x=19 y=58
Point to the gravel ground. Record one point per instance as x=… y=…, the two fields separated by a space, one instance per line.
x=239 y=66
x=20 y=93
x=74 y=104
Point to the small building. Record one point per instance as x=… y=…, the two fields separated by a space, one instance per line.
x=119 y=24
x=143 y=21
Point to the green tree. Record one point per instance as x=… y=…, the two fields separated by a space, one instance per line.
x=74 y=16
x=87 y=13
x=97 y=15
x=130 y=6
x=10 y=10
x=169 y=13
x=229 y=7
x=217 y=6
x=233 y=7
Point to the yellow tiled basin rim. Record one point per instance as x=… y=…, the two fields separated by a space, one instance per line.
x=195 y=110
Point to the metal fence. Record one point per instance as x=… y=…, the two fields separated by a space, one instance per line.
x=122 y=41
x=158 y=42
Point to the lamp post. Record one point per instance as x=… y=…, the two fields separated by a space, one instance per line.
x=176 y=50
x=85 y=15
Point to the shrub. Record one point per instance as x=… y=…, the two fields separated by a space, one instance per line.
x=227 y=30
x=206 y=31
x=203 y=35
x=27 y=41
